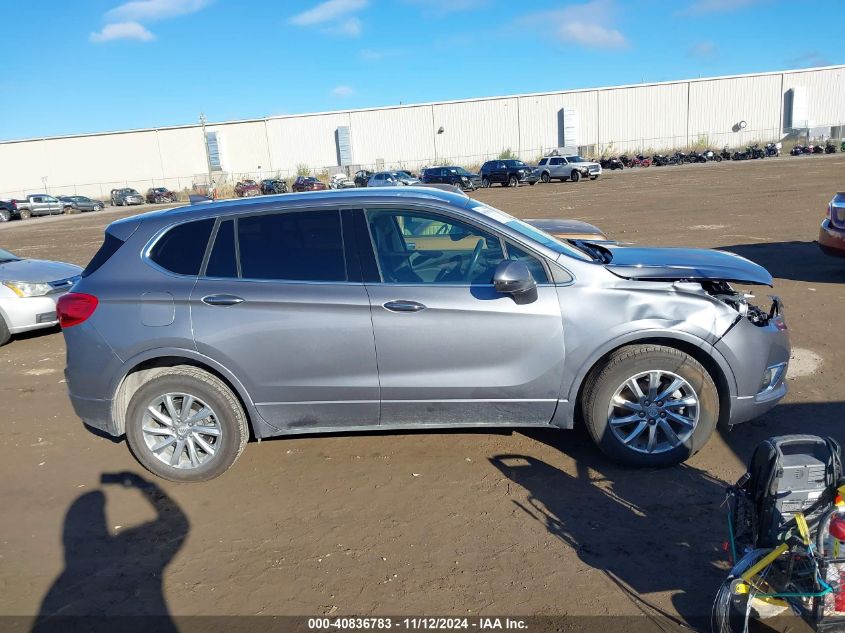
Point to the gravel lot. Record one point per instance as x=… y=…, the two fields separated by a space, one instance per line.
x=450 y=523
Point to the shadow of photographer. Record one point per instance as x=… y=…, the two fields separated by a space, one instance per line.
x=110 y=580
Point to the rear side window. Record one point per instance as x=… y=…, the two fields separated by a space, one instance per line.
x=292 y=246
x=108 y=248
x=182 y=248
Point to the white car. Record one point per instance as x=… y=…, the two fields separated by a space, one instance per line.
x=566 y=168
x=29 y=289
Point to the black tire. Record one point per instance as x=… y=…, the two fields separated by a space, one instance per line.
x=5 y=215
x=25 y=214
x=545 y=177
x=629 y=362
x=5 y=335
x=97 y=207
x=485 y=183
x=211 y=390
x=575 y=176
x=513 y=181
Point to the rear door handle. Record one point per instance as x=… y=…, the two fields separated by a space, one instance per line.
x=222 y=300
x=404 y=306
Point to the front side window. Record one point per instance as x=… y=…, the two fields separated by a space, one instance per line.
x=421 y=247
x=293 y=246
x=538 y=271
x=181 y=249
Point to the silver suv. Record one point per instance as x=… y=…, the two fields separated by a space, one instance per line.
x=566 y=168
x=192 y=329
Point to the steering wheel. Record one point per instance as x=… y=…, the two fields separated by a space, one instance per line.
x=473 y=261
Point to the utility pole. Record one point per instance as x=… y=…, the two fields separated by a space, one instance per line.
x=203 y=121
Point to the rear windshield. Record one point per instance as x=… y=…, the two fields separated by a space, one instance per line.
x=108 y=248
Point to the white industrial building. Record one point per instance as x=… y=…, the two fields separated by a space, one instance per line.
x=718 y=111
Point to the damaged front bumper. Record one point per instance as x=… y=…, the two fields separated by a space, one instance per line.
x=757 y=349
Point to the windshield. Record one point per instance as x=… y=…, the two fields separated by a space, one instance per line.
x=531 y=232
x=575 y=159
x=6 y=256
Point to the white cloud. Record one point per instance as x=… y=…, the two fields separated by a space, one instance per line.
x=150 y=10
x=591 y=35
x=351 y=28
x=702 y=49
x=717 y=6
x=376 y=55
x=809 y=60
x=588 y=24
x=328 y=11
x=343 y=91
x=123 y=31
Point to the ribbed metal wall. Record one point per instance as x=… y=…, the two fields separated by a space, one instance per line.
x=719 y=111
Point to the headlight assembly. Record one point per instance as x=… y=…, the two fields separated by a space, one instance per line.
x=28 y=288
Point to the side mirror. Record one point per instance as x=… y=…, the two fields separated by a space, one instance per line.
x=514 y=278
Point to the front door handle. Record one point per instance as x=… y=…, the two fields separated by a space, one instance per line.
x=404 y=306
x=222 y=300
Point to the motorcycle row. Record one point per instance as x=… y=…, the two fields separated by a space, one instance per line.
x=752 y=152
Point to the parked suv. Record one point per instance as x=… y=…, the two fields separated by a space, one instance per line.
x=566 y=168
x=508 y=173
x=160 y=195
x=457 y=176
x=123 y=197
x=400 y=308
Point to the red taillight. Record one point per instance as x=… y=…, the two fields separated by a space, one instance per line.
x=74 y=308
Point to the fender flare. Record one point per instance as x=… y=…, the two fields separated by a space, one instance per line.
x=645 y=336
x=257 y=422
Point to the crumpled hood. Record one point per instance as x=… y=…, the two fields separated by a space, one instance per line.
x=673 y=264
x=37 y=270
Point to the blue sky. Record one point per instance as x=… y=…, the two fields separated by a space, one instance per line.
x=75 y=66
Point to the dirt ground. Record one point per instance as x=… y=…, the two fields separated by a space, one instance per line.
x=449 y=523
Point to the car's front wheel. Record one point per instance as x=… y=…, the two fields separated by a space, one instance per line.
x=545 y=177
x=485 y=183
x=186 y=425
x=650 y=405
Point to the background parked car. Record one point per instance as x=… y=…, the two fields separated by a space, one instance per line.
x=362 y=177
x=82 y=203
x=38 y=204
x=457 y=176
x=569 y=229
x=29 y=289
x=160 y=195
x=508 y=173
x=8 y=210
x=247 y=188
x=126 y=196
x=341 y=181
x=308 y=183
x=271 y=186
x=832 y=232
x=566 y=168
x=391 y=179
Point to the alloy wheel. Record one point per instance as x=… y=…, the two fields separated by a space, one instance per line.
x=181 y=430
x=653 y=412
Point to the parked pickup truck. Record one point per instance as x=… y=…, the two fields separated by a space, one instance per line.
x=34 y=204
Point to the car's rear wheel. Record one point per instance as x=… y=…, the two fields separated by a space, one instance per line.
x=25 y=214
x=545 y=177
x=186 y=425
x=575 y=176
x=650 y=405
x=513 y=181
